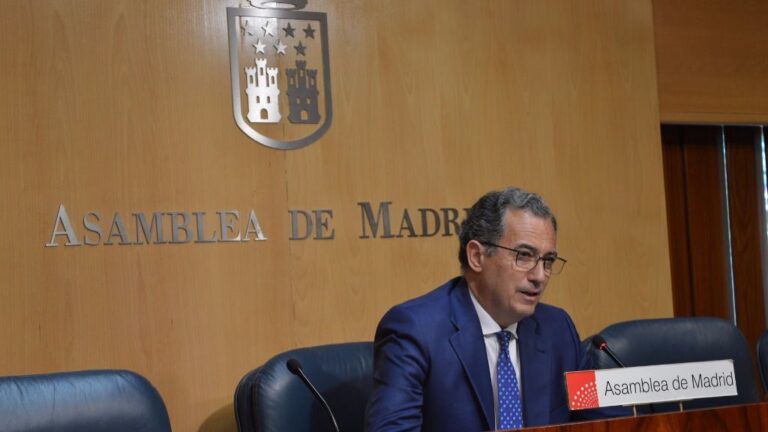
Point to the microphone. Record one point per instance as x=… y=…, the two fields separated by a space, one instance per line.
x=599 y=342
x=295 y=367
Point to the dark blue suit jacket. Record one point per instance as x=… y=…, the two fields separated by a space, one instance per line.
x=431 y=368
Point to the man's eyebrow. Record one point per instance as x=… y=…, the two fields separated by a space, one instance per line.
x=535 y=250
x=527 y=247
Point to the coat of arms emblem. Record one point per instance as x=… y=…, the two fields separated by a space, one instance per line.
x=281 y=83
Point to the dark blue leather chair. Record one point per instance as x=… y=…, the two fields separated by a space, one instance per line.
x=272 y=399
x=762 y=359
x=680 y=340
x=93 y=401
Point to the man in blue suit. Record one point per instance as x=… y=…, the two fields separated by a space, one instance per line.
x=480 y=352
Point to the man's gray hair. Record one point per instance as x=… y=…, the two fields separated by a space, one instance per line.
x=485 y=220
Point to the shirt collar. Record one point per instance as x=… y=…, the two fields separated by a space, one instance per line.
x=487 y=324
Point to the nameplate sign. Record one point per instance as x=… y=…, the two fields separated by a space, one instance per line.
x=650 y=384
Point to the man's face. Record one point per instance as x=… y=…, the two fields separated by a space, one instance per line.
x=507 y=292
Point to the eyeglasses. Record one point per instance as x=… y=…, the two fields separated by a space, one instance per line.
x=527 y=261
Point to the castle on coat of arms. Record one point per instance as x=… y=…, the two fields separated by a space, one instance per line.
x=261 y=88
x=263 y=93
x=302 y=94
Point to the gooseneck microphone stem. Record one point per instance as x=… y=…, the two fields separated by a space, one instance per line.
x=600 y=343
x=295 y=367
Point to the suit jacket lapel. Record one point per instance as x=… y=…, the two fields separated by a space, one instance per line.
x=469 y=346
x=535 y=366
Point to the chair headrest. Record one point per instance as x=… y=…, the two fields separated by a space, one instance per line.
x=762 y=359
x=271 y=398
x=680 y=340
x=94 y=401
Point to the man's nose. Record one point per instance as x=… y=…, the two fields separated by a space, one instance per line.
x=537 y=273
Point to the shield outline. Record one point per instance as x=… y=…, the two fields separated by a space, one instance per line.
x=234 y=63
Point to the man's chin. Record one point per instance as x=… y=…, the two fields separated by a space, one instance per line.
x=522 y=311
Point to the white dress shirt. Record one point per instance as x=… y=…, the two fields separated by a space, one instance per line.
x=490 y=328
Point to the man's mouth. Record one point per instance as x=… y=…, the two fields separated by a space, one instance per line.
x=530 y=293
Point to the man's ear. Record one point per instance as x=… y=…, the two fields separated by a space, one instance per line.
x=475 y=255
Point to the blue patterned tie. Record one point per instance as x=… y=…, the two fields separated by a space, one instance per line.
x=510 y=411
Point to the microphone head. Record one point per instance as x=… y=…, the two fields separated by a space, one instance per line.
x=599 y=342
x=294 y=366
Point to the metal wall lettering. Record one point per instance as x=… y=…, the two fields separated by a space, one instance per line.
x=377 y=220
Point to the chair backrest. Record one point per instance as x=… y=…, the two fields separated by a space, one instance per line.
x=272 y=399
x=762 y=359
x=680 y=340
x=93 y=401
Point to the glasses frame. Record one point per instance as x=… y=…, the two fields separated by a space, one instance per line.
x=538 y=258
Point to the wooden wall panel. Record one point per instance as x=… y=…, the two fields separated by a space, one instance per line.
x=697 y=220
x=747 y=228
x=124 y=106
x=677 y=219
x=712 y=60
x=716 y=224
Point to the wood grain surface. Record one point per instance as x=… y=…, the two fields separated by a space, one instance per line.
x=125 y=106
x=712 y=61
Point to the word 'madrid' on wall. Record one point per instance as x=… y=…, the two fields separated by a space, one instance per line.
x=377 y=220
